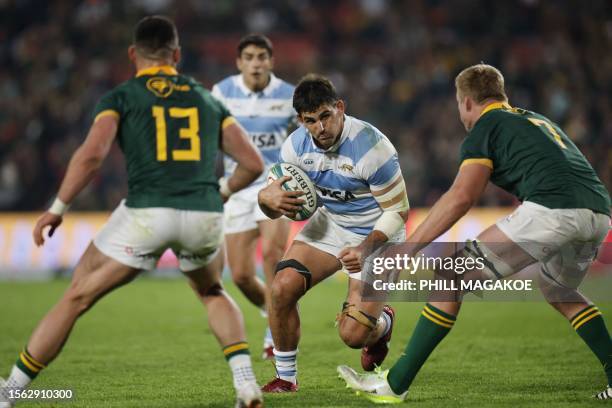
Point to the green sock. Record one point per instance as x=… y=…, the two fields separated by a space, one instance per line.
x=432 y=327
x=28 y=364
x=231 y=350
x=590 y=325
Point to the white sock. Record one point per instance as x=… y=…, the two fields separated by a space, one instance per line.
x=268 y=341
x=242 y=370
x=18 y=379
x=286 y=365
x=385 y=320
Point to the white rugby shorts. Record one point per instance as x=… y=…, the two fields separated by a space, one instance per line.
x=241 y=211
x=137 y=237
x=565 y=241
x=324 y=234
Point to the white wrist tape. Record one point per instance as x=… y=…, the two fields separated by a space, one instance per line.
x=58 y=207
x=389 y=223
x=224 y=187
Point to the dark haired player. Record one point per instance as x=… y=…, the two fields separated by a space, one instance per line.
x=364 y=203
x=170 y=129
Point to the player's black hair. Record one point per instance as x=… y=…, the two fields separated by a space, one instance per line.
x=312 y=92
x=156 y=37
x=258 y=40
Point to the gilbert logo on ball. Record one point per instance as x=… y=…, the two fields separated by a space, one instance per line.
x=299 y=182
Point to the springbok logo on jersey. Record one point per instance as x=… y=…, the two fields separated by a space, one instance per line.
x=163 y=87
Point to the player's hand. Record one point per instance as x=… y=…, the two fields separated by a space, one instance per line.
x=46 y=220
x=280 y=201
x=351 y=258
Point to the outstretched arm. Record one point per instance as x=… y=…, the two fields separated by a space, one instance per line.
x=467 y=188
x=83 y=165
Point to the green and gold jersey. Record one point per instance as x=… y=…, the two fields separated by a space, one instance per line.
x=169 y=130
x=532 y=158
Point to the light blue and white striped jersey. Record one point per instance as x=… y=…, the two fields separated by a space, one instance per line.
x=265 y=115
x=362 y=161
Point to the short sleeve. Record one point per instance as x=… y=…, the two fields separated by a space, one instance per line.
x=288 y=152
x=111 y=104
x=224 y=114
x=379 y=167
x=216 y=92
x=476 y=147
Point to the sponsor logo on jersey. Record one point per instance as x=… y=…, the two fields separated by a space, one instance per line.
x=337 y=194
x=163 y=87
x=263 y=140
x=278 y=107
x=308 y=162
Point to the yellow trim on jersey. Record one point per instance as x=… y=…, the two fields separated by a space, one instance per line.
x=444 y=319
x=486 y=162
x=436 y=321
x=107 y=112
x=586 y=319
x=495 y=105
x=230 y=120
x=162 y=69
x=235 y=347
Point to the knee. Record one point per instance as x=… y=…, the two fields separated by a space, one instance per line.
x=78 y=299
x=285 y=290
x=272 y=252
x=207 y=289
x=242 y=277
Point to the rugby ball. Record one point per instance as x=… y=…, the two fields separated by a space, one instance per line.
x=299 y=182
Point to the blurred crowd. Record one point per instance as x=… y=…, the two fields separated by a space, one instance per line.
x=394 y=63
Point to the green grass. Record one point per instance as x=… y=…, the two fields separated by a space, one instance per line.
x=148 y=345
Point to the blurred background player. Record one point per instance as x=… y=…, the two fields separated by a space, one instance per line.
x=168 y=127
x=563 y=219
x=261 y=103
x=364 y=203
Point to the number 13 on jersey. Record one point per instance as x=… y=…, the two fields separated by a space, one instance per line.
x=191 y=133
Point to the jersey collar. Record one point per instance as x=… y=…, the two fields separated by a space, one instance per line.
x=495 y=105
x=162 y=69
x=272 y=85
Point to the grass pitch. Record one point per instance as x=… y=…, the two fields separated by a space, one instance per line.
x=148 y=345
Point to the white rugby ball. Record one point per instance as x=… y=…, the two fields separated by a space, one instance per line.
x=299 y=182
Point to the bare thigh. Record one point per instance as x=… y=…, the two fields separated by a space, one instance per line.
x=97 y=274
x=207 y=279
x=320 y=264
